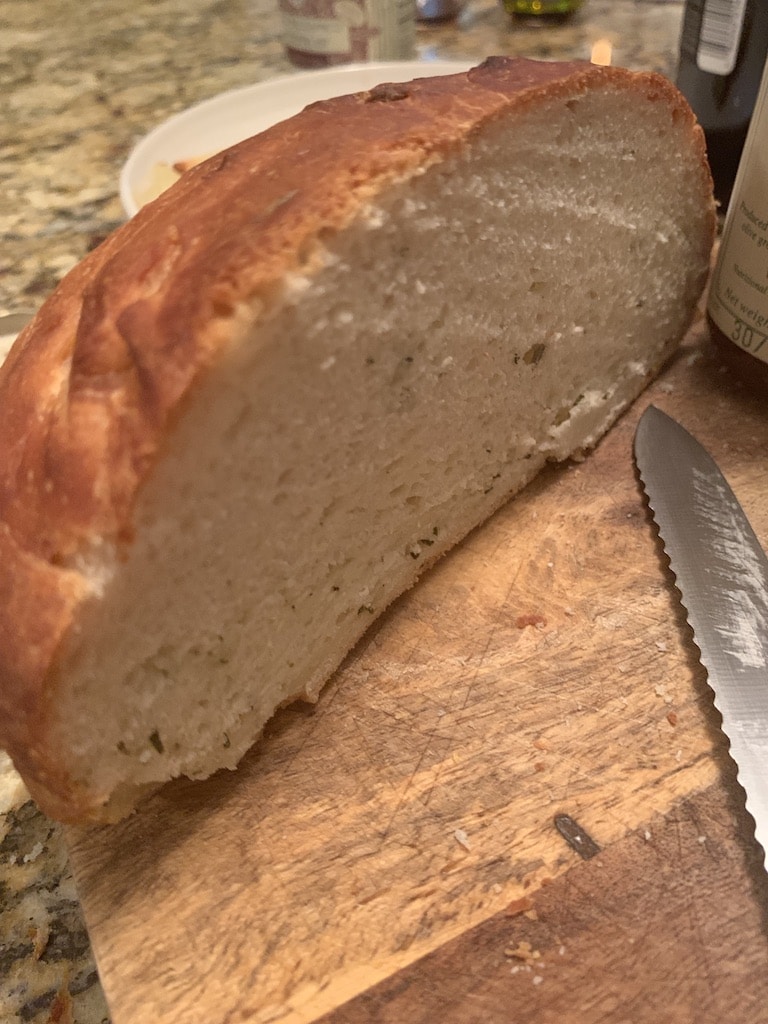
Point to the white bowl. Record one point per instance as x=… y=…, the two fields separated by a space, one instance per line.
x=215 y=124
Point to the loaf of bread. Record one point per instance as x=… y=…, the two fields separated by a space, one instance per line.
x=256 y=413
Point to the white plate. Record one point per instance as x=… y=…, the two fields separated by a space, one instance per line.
x=228 y=118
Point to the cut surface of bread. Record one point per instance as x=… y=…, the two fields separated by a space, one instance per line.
x=248 y=422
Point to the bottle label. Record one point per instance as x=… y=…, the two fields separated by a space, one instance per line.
x=738 y=296
x=395 y=22
x=315 y=35
x=720 y=30
x=359 y=30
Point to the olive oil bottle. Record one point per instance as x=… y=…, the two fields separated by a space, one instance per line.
x=723 y=48
x=545 y=8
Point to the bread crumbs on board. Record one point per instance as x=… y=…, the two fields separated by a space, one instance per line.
x=523 y=952
x=522 y=906
x=462 y=839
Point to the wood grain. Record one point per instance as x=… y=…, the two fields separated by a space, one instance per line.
x=543 y=667
x=669 y=924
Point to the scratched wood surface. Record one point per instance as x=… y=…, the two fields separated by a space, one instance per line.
x=666 y=926
x=544 y=667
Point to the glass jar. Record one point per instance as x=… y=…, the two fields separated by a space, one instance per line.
x=320 y=33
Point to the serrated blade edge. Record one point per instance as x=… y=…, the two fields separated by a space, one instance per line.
x=721 y=572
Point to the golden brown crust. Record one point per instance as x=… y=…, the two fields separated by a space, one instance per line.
x=88 y=391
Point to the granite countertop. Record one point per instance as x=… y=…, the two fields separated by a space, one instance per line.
x=81 y=84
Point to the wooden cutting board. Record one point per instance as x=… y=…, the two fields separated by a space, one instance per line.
x=391 y=854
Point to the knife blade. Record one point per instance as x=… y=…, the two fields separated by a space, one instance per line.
x=721 y=572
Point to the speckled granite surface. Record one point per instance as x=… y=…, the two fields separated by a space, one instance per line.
x=81 y=82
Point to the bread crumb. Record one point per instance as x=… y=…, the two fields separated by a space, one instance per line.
x=521 y=906
x=523 y=951
x=701 y=840
x=661 y=646
x=537 y=979
x=462 y=839
x=672 y=718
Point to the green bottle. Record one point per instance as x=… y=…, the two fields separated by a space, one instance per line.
x=543 y=7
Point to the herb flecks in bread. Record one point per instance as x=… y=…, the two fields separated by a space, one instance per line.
x=252 y=417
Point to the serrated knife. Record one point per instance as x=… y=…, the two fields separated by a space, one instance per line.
x=721 y=572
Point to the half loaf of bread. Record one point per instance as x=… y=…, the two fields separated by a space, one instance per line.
x=250 y=419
